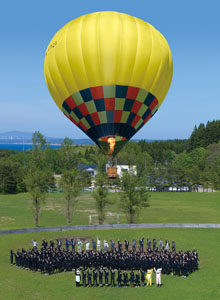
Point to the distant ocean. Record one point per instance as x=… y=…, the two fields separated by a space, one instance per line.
x=23 y=147
x=55 y=143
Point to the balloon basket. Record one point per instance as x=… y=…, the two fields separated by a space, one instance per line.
x=112 y=173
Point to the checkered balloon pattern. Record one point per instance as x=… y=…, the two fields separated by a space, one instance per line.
x=110 y=111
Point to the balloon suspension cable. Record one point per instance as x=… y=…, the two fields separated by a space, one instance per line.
x=111 y=162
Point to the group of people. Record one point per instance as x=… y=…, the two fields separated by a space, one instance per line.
x=109 y=277
x=78 y=245
x=93 y=260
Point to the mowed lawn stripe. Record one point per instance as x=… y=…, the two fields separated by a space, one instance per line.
x=15 y=210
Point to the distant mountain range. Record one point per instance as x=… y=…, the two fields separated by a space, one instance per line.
x=20 y=137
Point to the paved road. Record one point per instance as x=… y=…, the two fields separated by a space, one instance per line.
x=108 y=226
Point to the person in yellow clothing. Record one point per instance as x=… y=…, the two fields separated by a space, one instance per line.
x=149 y=277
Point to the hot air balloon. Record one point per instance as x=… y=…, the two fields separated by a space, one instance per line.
x=108 y=72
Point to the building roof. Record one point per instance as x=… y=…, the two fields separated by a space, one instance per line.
x=86 y=167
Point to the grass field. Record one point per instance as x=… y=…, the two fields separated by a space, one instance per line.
x=16 y=283
x=15 y=210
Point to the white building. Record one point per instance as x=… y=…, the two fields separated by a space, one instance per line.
x=91 y=169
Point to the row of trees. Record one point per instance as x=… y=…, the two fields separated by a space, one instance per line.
x=33 y=172
x=38 y=177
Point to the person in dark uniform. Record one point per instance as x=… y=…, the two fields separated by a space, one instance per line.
x=19 y=258
x=132 y=278
x=125 y=278
x=154 y=244
x=89 y=276
x=173 y=246
x=100 y=277
x=59 y=264
x=148 y=244
x=84 y=277
x=134 y=245
x=126 y=244
x=93 y=244
x=35 y=263
x=16 y=258
x=106 y=276
x=73 y=245
x=59 y=244
x=67 y=244
x=50 y=267
x=112 y=277
x=41 y=265
x=119 y=246
x=44 y=244
x=11 y=257
x=142 y=277
x=95 y=275
x=112 y=245
x=160 y=244
x=137 y=279
x=141 y=244
x=46 y=266
x=51 y=244
x=119 y=278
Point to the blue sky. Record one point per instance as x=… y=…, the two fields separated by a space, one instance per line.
x=192 y=29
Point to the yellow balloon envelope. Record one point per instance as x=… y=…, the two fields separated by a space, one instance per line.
x=108 y=72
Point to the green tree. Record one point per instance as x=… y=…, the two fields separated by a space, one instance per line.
x=170 y=156
x=128 y=155
x=133 y=195
x=72 y=181
x=195 y=171
x=69 y=157
x=213 y=172
x=53 y=159
x=8 y=184
x=144 y=164
x=39 y=176
x=212 y=169
x=37 y=182
x=212 y=132
x=101 y=192
x=204 y=135
x=11 y=176
x=178 y=169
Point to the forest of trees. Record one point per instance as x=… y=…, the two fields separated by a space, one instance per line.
x=193 y=162
x=204 y=135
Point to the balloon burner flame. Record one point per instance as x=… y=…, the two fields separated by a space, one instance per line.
x=111 y=141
